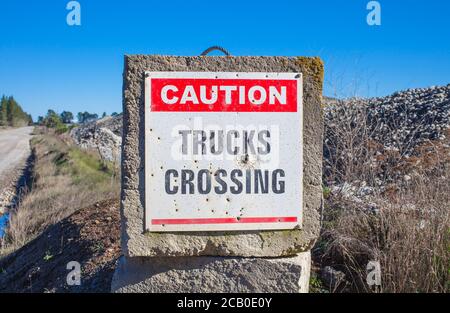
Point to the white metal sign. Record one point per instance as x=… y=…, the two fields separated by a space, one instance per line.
x=223 y=151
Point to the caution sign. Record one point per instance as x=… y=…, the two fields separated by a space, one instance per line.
x=223 y=151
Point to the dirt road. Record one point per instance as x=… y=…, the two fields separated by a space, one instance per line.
x=14 y=148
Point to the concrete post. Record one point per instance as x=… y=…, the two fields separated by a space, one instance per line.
x=245 y=261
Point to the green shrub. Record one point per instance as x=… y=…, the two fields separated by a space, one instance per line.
x=61 y=128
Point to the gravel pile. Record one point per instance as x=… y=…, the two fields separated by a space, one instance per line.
x=113 y=123
x=104 y=135
x=401 y=121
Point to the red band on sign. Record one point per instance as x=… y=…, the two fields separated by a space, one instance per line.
x=223 y=95
x=230 y=220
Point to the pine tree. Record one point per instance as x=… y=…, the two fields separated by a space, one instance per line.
x=52 y=120
x=11 y=114
x=66 y=117
x=3 y=115
x=9 y=110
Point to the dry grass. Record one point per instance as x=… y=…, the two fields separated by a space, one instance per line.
x=65 y=180
x=409 y=236
x=348 y=148
x=404 y=224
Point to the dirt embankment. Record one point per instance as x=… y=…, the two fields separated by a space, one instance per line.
x=90 y=237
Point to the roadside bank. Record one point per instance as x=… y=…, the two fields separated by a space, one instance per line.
x=64 y=179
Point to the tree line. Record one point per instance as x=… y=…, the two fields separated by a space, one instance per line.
x=67 y=117
x=63 y=121
x=12 y=114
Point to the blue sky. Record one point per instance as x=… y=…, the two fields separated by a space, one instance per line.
x=46 y=64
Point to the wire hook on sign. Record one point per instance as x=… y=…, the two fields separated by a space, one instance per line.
x=225 y=51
